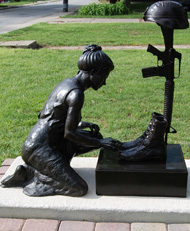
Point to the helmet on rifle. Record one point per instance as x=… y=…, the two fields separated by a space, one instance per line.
x=168 y=14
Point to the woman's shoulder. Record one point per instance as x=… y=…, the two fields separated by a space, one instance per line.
x=75 y=97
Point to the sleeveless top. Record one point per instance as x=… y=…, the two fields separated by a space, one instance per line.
x=55 y=110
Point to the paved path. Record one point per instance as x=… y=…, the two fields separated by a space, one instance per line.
x=124 y=47
x=15 y=18
x=56 y=225
x=95 y=20
x=8 y=224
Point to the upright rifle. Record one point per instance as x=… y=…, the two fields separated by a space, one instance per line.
x=165 y=70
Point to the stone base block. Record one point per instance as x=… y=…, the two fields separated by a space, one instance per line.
x=149 y=178
x=128 y=209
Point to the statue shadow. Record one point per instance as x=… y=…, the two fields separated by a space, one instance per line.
x=88 y=174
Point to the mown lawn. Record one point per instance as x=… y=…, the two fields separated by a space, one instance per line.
x=122 y=108
x=99 y=33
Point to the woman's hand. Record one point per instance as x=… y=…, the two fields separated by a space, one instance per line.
x=111 y=144
x=94 y=128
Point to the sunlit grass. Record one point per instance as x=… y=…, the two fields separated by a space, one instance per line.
x=122 y=108
x=100 y=33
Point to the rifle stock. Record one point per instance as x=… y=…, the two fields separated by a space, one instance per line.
x=153 y=50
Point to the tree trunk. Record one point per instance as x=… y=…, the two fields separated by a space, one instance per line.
x=113 y=1
x=128 y=3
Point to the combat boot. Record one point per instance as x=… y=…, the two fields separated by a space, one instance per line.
x=153 y=146
x=139 y=140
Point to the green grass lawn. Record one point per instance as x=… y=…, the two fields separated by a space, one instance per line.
x=122 y=108
x=99 y=33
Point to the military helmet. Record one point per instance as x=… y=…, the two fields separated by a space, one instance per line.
x=168 y=14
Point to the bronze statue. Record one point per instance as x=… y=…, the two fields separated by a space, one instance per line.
x=169 y=15
x=58 y=135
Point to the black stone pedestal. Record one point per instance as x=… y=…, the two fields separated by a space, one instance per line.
x=116 y=177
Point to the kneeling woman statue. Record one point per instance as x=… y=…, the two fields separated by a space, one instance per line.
x=58 y=135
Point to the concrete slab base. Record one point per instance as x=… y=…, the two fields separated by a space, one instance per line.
x=14 y=204
x=20 y=44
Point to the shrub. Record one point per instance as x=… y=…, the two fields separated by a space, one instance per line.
x=119 y=8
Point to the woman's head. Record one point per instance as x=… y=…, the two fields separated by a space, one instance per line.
x=93 y=58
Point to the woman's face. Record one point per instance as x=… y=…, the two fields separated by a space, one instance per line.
x=98 y=79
